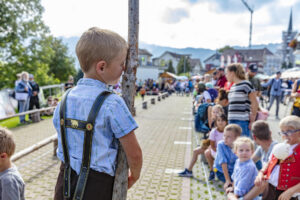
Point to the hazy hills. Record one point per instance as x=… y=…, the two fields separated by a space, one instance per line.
x=157 y=50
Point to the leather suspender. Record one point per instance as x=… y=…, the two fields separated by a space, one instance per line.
x=87 y=146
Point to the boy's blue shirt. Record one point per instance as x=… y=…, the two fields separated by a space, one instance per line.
x=243 y=176
x=224 y=155
x=113 y=121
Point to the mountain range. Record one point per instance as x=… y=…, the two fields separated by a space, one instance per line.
x=157 y=50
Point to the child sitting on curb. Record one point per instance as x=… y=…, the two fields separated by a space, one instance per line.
x=245 y=171
x=225 y=158
x=12 y=186
x=215 y=136
x=200 y=150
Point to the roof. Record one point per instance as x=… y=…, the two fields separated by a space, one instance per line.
x=216 y=55
x=195 y=62
x=175 y=55
x=248 y=54
x=144 y=52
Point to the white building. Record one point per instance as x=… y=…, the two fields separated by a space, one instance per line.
x=146 y=69
x=168 y=56
x=196 y=66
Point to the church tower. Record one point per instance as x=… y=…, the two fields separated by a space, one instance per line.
x=287 y=36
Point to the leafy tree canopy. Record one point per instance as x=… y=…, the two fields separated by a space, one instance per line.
x=26 y=45
x=170 y=67
x=224 y=48
x=183 y=65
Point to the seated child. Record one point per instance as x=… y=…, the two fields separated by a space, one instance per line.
x=283 y=175
x=245 y=171
x=215 y=136
x=225 y=158
x=11 y=183
x=55 y=101
x=216 y=111
x=262 y=136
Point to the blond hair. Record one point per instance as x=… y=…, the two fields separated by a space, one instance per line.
x=219 y=107
x=98 y=44
x=236 y=129
x=238 y=69
x=291 y=121
x=243 y=140
x=7 y=143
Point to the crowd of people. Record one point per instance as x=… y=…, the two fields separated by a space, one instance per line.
x=237 y=142
x=227 y=112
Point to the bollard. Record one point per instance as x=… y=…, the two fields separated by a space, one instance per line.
x=145 y=105
x=35 y=117
x=158 y=98
x=163 y=96
x=167 y=94
x=153 y=101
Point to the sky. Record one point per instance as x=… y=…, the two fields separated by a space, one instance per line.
x=177 y=23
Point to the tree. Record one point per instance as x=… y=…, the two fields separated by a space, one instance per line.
x=183 y=65
x=60 y=61
x=221 y=50
x=290 y=65
x=26 y=45
x=170 y=67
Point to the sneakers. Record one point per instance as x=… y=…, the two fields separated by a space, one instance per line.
x=211 y=176
x=186 y=173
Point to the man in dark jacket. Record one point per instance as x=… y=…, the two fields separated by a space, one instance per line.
x=34 y=99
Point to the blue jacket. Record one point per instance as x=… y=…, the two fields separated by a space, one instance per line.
x=276 y=89
x=20 y=88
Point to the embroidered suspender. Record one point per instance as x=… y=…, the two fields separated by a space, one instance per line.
x=88 y=127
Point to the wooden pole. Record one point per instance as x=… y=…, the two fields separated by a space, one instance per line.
x=128 y=94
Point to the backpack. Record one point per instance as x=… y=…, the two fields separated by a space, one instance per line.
x=213 y=94
x=201 y=118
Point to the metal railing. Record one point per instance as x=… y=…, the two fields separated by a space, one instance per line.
x=53 y=138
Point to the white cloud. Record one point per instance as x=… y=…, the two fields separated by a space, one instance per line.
x=198 y=26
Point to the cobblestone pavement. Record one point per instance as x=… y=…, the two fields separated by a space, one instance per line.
x=167 y=138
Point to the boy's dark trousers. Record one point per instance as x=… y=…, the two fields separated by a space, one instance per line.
x=99 y=185
x=271 y=193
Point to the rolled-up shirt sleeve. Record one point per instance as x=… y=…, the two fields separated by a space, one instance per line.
x=120 y=119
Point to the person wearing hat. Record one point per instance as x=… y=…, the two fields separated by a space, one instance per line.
x=275 y=92
x=34 y=99
x=251 y=72
x=221 y=78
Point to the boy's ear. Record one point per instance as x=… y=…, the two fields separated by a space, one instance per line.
x=3 y=155
x=100 y=66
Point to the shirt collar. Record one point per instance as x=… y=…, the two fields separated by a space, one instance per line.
x=92 y=82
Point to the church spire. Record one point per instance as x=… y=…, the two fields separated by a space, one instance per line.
x=290 y=28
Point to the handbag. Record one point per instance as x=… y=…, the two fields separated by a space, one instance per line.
x=21 y=96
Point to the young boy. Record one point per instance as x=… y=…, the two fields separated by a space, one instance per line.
x=101 y=54
x=225 y=158
x=283 y=175
x=263 y=137
x=245 y=171
x=12 y=186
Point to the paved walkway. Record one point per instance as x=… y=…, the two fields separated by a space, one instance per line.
x=167 y=138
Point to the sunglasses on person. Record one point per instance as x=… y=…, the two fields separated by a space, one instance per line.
x=289 y=132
